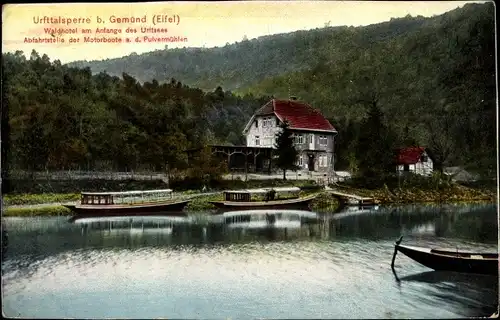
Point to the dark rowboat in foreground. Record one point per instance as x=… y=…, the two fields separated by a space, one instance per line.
x=244 y=199
x=150 y=202
x=448 y=260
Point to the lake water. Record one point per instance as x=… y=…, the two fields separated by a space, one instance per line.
x=336 y=268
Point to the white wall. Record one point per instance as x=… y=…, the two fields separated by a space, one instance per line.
x=266 y=134
x=422 y=168
x=267 y=138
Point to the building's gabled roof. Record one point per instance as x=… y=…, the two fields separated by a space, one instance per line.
x=410 y=155
x=300 y=115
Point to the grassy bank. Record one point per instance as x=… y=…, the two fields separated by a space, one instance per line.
x=322 y=202
x=44 y=192
x=417 y=190
x=53 y=186
x=201 y=203
x=30 y=199
x=453 y=193
x=198 y=205
x=44 y=211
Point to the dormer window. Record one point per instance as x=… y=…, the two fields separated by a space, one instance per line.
x=267 y=122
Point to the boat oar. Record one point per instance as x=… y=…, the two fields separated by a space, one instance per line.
x=395 y=252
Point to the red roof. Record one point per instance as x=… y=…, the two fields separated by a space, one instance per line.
x=300 y=115
x=409 y=155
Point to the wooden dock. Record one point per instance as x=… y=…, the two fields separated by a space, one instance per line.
x=351 y=199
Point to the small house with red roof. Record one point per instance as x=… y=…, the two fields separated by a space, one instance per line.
x=415 y=160
x=314 y=134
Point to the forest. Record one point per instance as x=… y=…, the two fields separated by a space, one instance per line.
x=66 y=118
x=408 y=81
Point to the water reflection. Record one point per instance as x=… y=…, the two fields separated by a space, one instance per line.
x=133 y=225
x=335 y=265
x=478 y=292
x=43 y=235
x=478 y=222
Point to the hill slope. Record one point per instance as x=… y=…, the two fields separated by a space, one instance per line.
x=435 y=85
x=250 y=61
x=426 y=81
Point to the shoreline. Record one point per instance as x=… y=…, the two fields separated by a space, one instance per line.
x=323 y=201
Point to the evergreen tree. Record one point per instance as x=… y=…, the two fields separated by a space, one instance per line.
x=285 y=148
x=374 y=146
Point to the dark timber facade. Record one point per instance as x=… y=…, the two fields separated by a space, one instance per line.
x=242 y=158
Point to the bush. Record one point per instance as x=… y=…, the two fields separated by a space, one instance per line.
x=194 y=183
x=437 y=181
x=29 y=199
x=311 y=187
x=25 y=186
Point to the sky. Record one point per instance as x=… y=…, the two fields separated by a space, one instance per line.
x=197 y=24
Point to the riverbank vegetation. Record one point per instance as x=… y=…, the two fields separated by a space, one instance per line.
x=35 y=186
x=198 y=204
x=390 y=191
x=33 y=199
x=56 y=210
x=70 y=190
x=412 y=188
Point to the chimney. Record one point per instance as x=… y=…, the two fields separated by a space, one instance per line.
x=293 y=98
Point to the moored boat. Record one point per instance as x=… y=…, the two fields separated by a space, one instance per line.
x=449 y=260
x=149 y=202
x=271 y=198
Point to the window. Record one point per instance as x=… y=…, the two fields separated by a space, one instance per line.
x=268 y=141
x=311 y=138
x=323 y=140
x=256 y=123
x=277 y=122
x=322 y=161
x=267 y=122
x=257 y=140
x=300 y=162
x=299 y=139
x=423 y=158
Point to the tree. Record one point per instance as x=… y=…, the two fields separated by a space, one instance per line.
x=443 y=67
x=285 y=148
x=374 y=146
x=439 y=140
x=206 y=167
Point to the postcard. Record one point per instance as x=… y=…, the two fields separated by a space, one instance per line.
x=249 y=159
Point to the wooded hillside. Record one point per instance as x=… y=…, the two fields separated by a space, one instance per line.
x=426 y=81
x=434 y=85
x=248 y=62
x=65 y=118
